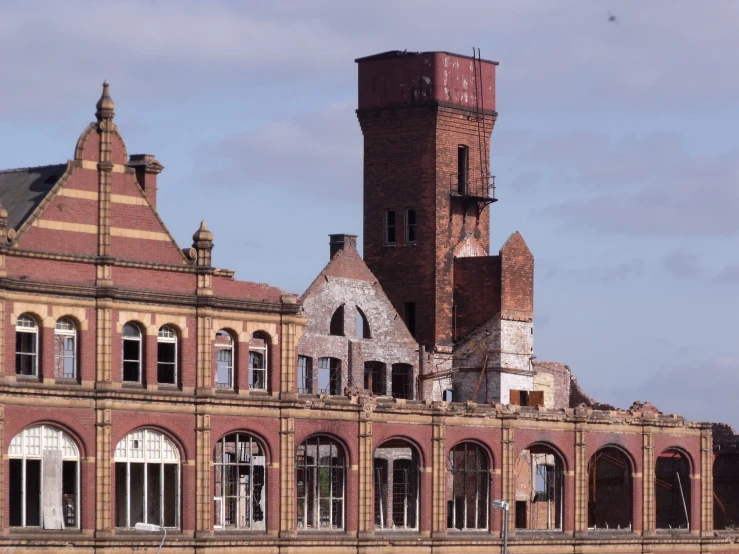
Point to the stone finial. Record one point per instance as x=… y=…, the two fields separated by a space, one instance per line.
x=202 y=242
x=105 y=106
x=203 y=234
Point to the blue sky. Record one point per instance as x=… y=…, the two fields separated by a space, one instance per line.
x=615 y=151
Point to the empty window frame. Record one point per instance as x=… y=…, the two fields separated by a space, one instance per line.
x=305 y=375
x=26 y=346
x=320 y=475
x=147 y=480
x=44 y=479
x=361 y=325
x=609 y=490
x=538 y=482
x=463 y=168
x=65 y=349
x=447 y=395
x=390 y=238
x=396 y=486
x=224 y=360
x=468 y=483
x=329 y=376
x=409 y=316
x=239 y=483
x=167 y=356
x=258 y=346
x=132 y=353
x=411 y=235
x=375 y=378
x=402 y=381
x=726 y=491
x=336 y=326
x=672 y=490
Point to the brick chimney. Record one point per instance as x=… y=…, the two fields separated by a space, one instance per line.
x=340 y=242
x=147 y=168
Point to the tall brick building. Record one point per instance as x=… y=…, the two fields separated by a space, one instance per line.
x=140 y=383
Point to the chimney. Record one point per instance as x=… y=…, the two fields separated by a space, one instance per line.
x=342 y=241
x=147 y=168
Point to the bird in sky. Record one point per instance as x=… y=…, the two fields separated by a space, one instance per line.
x=612 y=18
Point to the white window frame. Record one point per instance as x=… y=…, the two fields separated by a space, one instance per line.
x=30 y=444
x=230 y=363
x=262 y=350
x=167 y=334
x=129 y=452
x=314 y=468
x=305 y=374
x=63 y=330
x=27 y=324
x=138 y=339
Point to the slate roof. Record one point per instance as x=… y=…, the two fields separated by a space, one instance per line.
x=22 y=190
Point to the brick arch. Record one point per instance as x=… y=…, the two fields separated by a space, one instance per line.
x=75 y=436
x=486 y=448
x=38 y=318
x=411 y=442
x=682 y=451
x=555 y=450
x=259 y=436
x=179 y=444
x=349 y=456
x=633 y=465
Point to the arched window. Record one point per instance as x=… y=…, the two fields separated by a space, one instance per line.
x=26 y=346
x=375 y=378
x=147 y=480
x=336 y=326
x=726 y=491
x=468 y=482
x=65 y=349
x=239 y=483
x=539 y=485
x=402 y=381
x=672 y=490
x=320 y=473
x=224 y=360
x=167 y=356
x=329 y=376
x=258 y=361
x=396 y=480
x=609 y=490
x=361 y=325
x=44 y=479
x=131 y=343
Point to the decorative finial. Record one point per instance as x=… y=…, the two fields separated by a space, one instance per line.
x=203 y=234
x=105 y=106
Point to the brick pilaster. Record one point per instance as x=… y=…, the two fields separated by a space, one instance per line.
x=104 y=327
x=508 y=459
x=581 y=479
x=287 y=477
x=204 y=378
x=438 y=511
x=290 y=334
x=366 y=482
x=648 y=472
x=103 y=472
x=706 y=473
x=3 y=523
x=204 y=495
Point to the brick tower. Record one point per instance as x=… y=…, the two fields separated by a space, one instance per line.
x=427 y=119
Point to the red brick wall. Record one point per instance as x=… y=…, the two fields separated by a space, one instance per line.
x=476 y=291
x=517 y=279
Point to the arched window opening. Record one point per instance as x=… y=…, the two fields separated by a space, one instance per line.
x=726 y=491
x=402 y=381
x=375 y=378
x=396 y=486
x=240 y=479
x=468 y=483
x=258 y=361
x=132 y=353
x=44 y=479
x=26 y=346
x=538 y=482
x=329 y=376
x=672 y=490
x=362 y=326
x=305 y=375
x=147 y=480
x=320 y=474
x=167 y=356
x=224 y=360
x=609 y=490
x=65 y=349
x=336 y=327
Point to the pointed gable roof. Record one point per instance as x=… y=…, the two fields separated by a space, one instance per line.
x=346 y=263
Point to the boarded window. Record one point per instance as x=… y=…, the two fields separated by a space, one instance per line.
x=526 y=398
x=320 y=476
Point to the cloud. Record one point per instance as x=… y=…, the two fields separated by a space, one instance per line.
x=682 y=264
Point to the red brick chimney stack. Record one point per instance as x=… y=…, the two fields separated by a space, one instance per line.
x=147 y=168
x=340 y=242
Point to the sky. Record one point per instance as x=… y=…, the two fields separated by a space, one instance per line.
x=615 y=151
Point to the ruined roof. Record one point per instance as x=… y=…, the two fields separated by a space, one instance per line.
x=23 y=189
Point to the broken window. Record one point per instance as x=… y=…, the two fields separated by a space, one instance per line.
x=609 y=490
x=402 y=381
x=147 y=480
x=375 y=378
x=538 y=485
x=468 y=483
x=44 y=479
x=305 y=375
x=396 y=486
x=336 y=327
x=65 y=349
x=463 y=168
x=224 y=360
x=447 y=395
x=329 y=376
x=726 y=491
x=26 y=346
x=410 y=226
x=258 y=361
x=672 y=490
x=320 y=474
x=362 y=328
x=239 y=496
x=131 y=335
x=167 y=356
x=390 y=227
x=526 y=398
x=409 y=316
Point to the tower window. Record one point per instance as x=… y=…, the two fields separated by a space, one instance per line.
x=390 y=227
x=410 y=226
x=463 y=168
x=409 y=316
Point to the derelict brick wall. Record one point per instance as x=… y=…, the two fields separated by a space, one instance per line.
x=561 y=377
x=476 y=291
x=517 y=279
